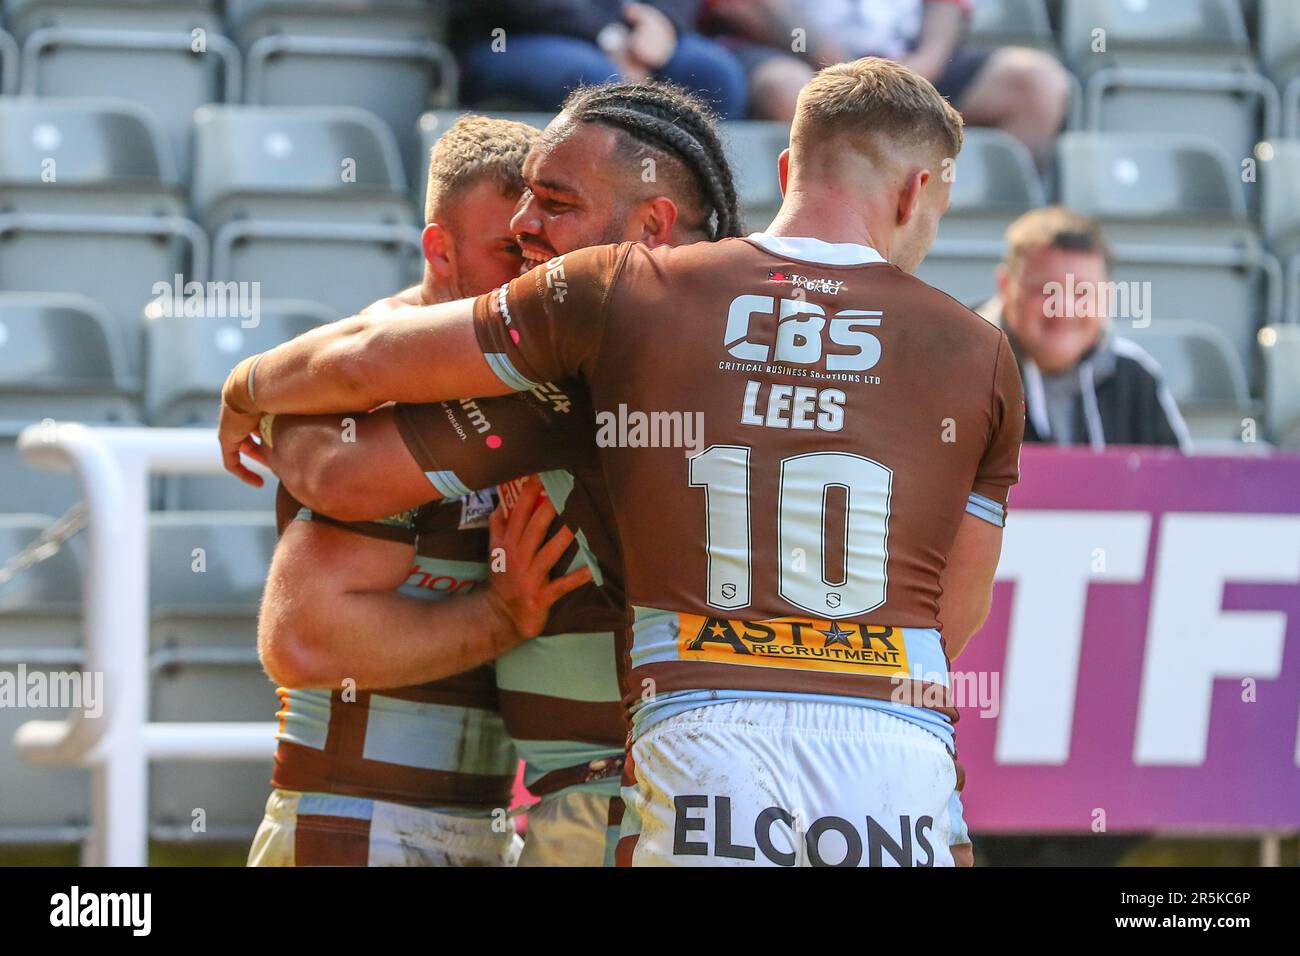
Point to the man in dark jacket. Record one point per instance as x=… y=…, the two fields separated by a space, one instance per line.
x=533 y=52
x=1084 y=385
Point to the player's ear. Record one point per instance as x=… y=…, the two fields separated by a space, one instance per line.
x=910 y=198
x=438 y=251
x=783 y=168
x=658 y=218
x=1003 y=276
x=440 y=258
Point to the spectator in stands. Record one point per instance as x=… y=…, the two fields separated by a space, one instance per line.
x=534 y=52
x=1084 y=385
x=781 y=43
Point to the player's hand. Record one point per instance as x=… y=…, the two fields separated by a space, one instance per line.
x=521 y=560
x=653 y=39
x=233 y=429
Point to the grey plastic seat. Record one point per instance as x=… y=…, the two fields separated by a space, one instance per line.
x=995 y=182
x=276 y=187
x=1177 y=34
x=1280 y=215
x=59 y=359
x=753 y=148
x=157 y=69
x=379 y=55
x=319 y=163
x=1174 y=210
x=8 y=63
x=1170 y=66
x=250 y=20
x=24 y=17
x=188 y=359
x=107 y=226
x=203 y=664
x=1199 y=364
x=996 y=23
x=1279 y=43
x=436 y=122
x=1280 y=350
x=40 y=630
x=85 y=156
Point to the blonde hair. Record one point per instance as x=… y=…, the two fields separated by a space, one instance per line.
x=873 y=96
x=1055 y=227
x=472 y=148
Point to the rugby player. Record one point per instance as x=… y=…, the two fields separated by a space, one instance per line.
x=370 y=770
x=787 y=675
x=560 y=698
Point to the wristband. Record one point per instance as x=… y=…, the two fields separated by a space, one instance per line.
x=251 y=369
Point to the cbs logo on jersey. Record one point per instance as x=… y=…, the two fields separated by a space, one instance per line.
x=802 y=329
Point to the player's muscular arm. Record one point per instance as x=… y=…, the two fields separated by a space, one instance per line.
x=968 y=581
x=355 y=466
x=411 y=354
x=331 y=611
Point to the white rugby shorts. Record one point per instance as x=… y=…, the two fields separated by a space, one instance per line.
x=321 y=829
x=787 y=783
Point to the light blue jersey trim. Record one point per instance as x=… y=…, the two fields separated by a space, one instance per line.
x=436 y=737
x=994 y=512
x=447 y=484
x=330 y=805
x=957 y=817
x=668 y=705
x=505 y=370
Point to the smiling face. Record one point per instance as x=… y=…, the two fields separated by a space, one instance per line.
x=1054 y=333
x=578 y=192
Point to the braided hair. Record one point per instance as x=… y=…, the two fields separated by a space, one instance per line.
x=665 y=118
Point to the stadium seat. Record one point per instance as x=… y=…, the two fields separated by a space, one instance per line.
x=186 y=363
x=87 y=156
x=187 y=359
x=323 y=164
x=1280 y=349
x=1203 y=373
x=205 y=582
x=40 y=631
x=1174 y=211
x=8 y=63
x=995 y=183
x=1279 y=53
x=170 y=73
x=753 y=149
x=435 y=122
x=305 y=199
x=1280 y=215
x=89 y=204
x=996 y=23
x=378 y=55
x=25 y=17
x=1171 y=66
x=250 y=20
x=59 y=359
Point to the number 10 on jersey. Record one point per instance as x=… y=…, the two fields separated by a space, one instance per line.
x=723 y=471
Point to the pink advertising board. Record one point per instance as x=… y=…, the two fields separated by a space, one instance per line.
x=1141 y=663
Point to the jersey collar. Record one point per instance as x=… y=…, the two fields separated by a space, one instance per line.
x=815 y=250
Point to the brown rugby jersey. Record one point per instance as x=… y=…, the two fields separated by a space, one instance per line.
x=560 y=693
x=437 y=745
x=846 y=415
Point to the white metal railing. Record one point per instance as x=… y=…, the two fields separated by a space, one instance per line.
x=113 y=466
